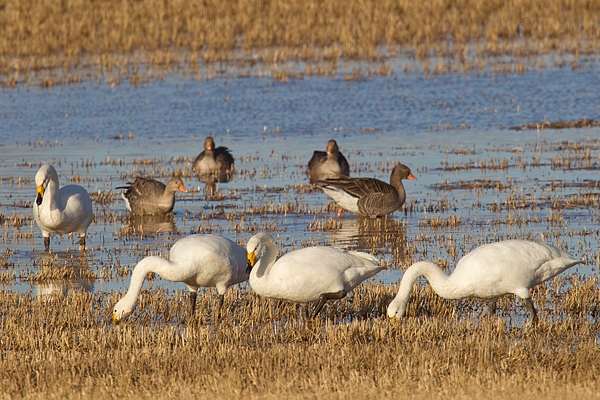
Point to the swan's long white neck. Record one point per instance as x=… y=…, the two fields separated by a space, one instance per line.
x=439 y=281
x=166 y=269
x=51 y=192
x=264 y=264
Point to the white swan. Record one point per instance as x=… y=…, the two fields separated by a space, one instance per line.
x=306 y=275
x=60 y=210
x=196 y=260
x=489 y=271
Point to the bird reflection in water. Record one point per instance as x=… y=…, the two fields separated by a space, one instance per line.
x=386 y=234
x=147 y=224
x=61 y=272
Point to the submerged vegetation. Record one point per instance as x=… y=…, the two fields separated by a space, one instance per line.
x=48 y=42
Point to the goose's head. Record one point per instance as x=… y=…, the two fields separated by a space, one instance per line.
x=43 y=176
x=209 y=144
x=332 y=147
x=176 y=184
x=255 y=246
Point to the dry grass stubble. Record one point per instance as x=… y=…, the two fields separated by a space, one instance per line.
x=65 y=346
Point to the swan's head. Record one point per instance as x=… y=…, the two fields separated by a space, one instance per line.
x=121 y=310
x=255 y=246
x=395 y=311
x=43 y=176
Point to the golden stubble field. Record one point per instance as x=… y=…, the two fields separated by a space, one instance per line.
x=48 y=42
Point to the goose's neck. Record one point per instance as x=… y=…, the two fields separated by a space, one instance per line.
x=396 y=182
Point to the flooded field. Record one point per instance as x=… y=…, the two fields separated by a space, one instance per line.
x=479 y=181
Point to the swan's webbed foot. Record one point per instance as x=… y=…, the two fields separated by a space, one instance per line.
x=327 y=296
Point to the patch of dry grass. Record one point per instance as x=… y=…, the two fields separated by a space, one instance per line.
x=65 y=346
x=87 y=40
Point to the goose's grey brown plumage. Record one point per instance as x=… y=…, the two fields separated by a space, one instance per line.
x=213 y=163
x=146 y=196
x=327 y=164
x=60 y=210
x=369 y=196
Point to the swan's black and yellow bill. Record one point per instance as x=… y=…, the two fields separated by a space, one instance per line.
x=251 y=262
x=40 y=194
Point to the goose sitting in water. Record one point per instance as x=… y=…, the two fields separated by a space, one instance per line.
x=60 y=210
x=489 y=271
x=327 y=164
x=214 y=164
x=196 y=260
x=147 y=196
x=306 y=275
x=369 y=196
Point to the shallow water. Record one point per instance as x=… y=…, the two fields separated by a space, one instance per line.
x=478 y=180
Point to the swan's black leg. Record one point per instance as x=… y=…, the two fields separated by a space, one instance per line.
x=303 y=311
x=327 y=296
x=491 y=308
x=217 y=311
x=82 y=242
x=193 y=296
x=531 y=308
x=47 y=243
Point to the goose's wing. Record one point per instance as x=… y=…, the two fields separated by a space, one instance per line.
x=146 y=187
x=358 y=187
x=223 y=156
x=344 y=166
x=317 y=159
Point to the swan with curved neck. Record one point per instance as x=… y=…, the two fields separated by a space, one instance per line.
x=311 y=274
x=196 y=260
x=489 y=271
x=61 y=210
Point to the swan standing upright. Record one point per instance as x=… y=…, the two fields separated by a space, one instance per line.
x=306 y=275
x=489 y=271
x=196 y=260
x=61 y=210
